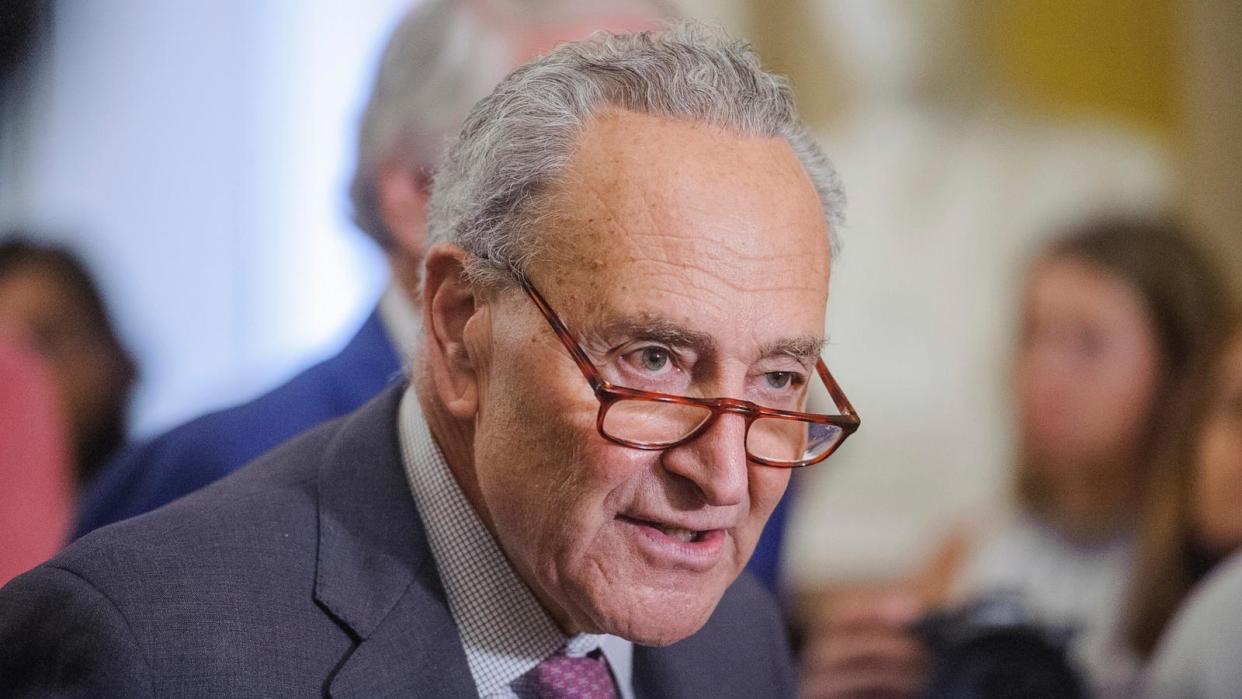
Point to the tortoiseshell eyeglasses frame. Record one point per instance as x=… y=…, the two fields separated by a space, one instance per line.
x=608 y=394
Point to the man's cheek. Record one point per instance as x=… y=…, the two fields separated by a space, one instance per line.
x=768 y=486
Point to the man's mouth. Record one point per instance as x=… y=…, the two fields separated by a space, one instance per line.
x=693 y=545
x=685 y=536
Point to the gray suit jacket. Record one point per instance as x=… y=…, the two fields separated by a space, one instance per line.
x=306 y=573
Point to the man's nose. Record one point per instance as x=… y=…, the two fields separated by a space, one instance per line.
x=715 y=462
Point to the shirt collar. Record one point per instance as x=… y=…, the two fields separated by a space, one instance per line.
x=504 y=630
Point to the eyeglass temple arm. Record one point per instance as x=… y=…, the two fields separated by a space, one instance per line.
x=566 y=337
x=834 y=389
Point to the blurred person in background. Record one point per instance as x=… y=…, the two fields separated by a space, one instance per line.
x=1118 y=321
x=1193 y=522
x=48 y=297
x=442 y=57
x=1198 y=656
x=951 y=184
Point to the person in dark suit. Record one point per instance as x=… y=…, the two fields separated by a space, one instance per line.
x=558 y=504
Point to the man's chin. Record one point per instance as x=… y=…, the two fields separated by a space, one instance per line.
x=662 y=621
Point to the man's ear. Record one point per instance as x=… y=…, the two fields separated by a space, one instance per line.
x=450 y=301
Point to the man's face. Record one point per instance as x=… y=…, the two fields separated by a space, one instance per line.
x=685 y=259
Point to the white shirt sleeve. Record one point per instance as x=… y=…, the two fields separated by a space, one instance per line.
x=1200 y=655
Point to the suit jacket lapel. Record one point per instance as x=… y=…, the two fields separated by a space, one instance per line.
x=375 y=573
x=415 y=652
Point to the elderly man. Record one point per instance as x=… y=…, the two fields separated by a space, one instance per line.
x=623 y=307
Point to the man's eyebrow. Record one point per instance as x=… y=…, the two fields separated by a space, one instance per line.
x=654 y=328
x=805 y=348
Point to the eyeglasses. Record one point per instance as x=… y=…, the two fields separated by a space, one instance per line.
x=652 y=421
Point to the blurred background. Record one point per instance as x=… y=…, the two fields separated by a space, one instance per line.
x=197 y=155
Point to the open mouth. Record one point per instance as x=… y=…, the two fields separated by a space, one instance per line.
x=685 y=536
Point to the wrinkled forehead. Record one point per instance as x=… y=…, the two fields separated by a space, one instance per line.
x=688 y=208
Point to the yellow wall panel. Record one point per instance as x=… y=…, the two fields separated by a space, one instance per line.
x=1120 y=58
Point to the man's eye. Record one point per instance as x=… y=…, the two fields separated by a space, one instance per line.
x=653 y=358
x=779 y=379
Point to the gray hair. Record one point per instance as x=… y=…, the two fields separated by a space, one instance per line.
x=441 y=58
x=488 y=196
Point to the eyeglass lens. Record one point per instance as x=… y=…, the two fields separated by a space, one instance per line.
x=656 y=423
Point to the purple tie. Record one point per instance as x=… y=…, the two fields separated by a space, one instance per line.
x=563 y=677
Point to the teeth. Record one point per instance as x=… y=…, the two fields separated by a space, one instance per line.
x=683 y=535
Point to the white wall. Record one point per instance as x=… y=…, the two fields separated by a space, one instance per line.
x=196 y=153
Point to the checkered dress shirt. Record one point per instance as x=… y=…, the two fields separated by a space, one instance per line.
x=503 y=628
